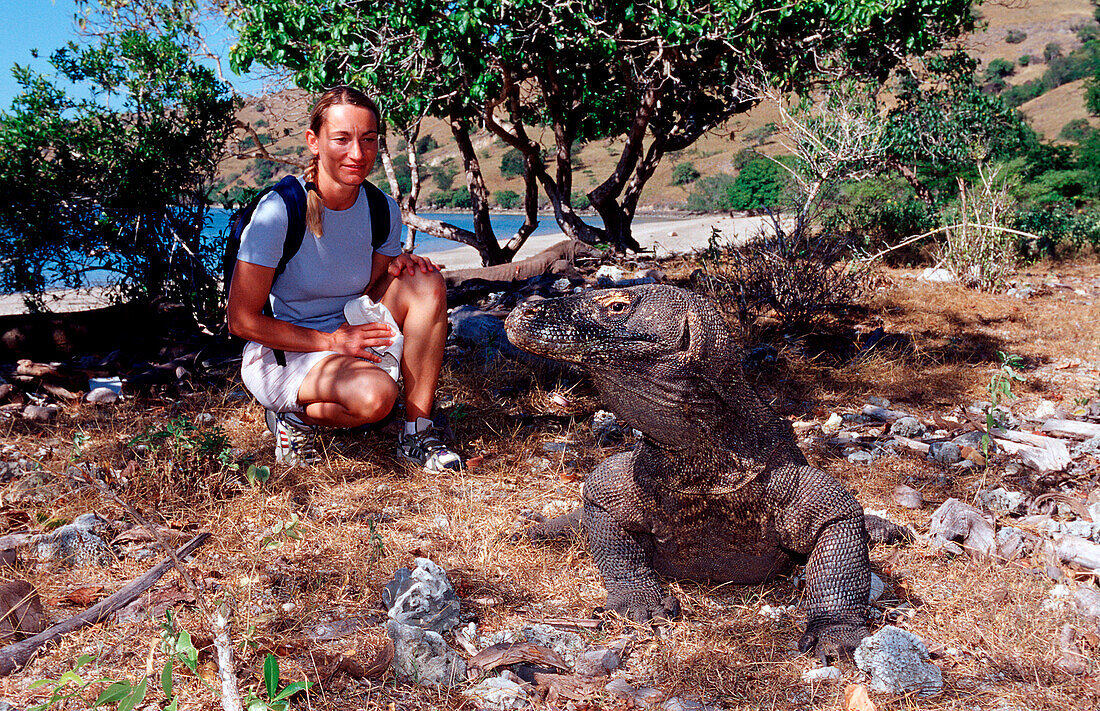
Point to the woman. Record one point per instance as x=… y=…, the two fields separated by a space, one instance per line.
x=330 y=377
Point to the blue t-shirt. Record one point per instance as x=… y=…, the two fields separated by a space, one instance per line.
x=327 y=271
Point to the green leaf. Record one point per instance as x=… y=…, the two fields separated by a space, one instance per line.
x=114 y=693
x=271 y=675
x=292 y=689
x=136 y=696
x=166 y=679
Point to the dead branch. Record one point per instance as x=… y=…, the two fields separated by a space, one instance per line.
x=15 y=656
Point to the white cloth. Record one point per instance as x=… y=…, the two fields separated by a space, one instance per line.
x=364 y=310
x=276 y=386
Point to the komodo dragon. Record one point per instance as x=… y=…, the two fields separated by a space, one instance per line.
x=716 y=488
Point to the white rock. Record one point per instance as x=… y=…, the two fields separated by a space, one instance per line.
x=609 y=271
x=932 y=274
x=39 y=413
x=821 y=674
x=897 y=661
x=1001 y=501
x=832 y=425
x=103 y=396
x=498 y=693
x=423 y=657
x=877 y=588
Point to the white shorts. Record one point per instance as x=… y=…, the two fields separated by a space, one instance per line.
x=276 y=386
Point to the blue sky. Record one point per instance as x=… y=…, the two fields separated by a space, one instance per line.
x=45 y=25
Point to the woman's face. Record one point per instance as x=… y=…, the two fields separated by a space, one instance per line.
x=346 y=145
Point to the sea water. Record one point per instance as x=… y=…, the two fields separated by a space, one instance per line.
x=504 y=226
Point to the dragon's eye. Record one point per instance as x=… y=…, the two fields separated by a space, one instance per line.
x=617 y=307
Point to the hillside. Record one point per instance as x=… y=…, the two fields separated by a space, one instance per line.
x=1031 y=27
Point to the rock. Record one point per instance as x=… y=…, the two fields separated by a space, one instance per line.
x=1087 y=602
x=908 y=497
x=675 y=703
x=422 y=657
x=898 y=663
x=1011 y=543
x=78 y=543
x=644 y=697
x=599 y=662
x=422 y=597
x=877 y=588
x=974 y=439
x=1077 y=550
x=907 y=426
x=39 y=413
x=956 y=522
x=498 y=692
x=945 y=453
x=832 y=425
x=936 y=275
x=879 y=401
x=102 y=396
x=21 y=613
x=829 y=673
x=568 y=645
x=606 y=428
x=608 y=273
x=861 y=457
x=1001 y=501
x=1046 y=410
x=1072 y=661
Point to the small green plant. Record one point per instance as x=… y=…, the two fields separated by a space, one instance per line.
x=178 y=647
x=257 y=476
x=276 y=699
x=281 y=531
x=180 y=460
x=80 y=437
x=378 y=546
x=71 y=685
x=1000 y=390
x=1015 y=36
x=507 y=199
x=512 y=163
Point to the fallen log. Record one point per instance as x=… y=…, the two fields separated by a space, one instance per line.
x=566 y=252
x=15 y=656
x=1072 y=428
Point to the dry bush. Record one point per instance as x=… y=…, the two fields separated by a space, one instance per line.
x=798 y=275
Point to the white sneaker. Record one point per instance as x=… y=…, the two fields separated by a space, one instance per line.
x=295 y=441
x=427 y=449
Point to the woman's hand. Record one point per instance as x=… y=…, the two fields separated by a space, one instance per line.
x=411 y=262
x=358 y=340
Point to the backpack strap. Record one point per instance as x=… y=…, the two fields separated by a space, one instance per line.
x=294 y=197
x=379 y=206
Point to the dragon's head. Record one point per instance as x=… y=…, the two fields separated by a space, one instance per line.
x=654 y=351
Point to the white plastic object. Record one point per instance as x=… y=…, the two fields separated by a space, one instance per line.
x=364 y=310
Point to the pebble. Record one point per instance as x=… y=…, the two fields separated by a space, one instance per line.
x=908 y=497
x=861 y=457
x=946 y=453
x=103 y=396
x=908 y=426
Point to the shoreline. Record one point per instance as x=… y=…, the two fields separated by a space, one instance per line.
x=665 y=237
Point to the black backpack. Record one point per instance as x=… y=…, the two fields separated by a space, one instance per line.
x=290 y=190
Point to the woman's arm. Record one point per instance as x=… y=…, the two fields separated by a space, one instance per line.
x=248 y=294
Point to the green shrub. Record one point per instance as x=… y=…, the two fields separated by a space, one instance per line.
x=999 y=69
x=760 y=184
x=684 y=173
x=1053 y=50
x=511 y=163
x=758 y=135
x=878 y=212
x=1087 y=32
x=426 y=144
x=459 y=198
x=1015 y=36
x=444 y=176
x=711 y=194
x=1076 y=130
x=507 y=199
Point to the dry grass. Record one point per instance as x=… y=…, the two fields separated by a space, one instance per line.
x=364 y=514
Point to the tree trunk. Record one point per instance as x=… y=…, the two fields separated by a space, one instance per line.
x=487 y=245
x=414 y=175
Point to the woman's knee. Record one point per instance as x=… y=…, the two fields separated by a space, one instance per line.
x=371 y=397
x=424 y=290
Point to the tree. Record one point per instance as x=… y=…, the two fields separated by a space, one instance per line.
x=657 y=74
x=684 y=173
x=759 y=185
x=943 y=125
x=117 y=184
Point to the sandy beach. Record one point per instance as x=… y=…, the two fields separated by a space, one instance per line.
x=665 y=237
